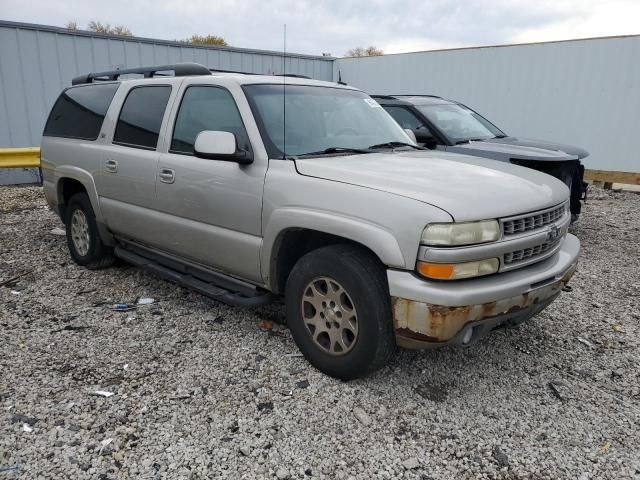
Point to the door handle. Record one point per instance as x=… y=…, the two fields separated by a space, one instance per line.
x=167 y=175
x=111 y=166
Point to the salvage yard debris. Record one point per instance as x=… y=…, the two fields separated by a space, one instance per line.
x=553 y=386
x=586 y=342
x=103 y=393
x=10 y=282
x=123 y=307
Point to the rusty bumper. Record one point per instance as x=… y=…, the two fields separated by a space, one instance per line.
x=421 y=324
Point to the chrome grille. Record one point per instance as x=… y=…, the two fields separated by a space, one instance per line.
x=527 y=253
x=527 y=223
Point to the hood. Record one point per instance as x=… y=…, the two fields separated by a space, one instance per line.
x=468 y=188
x=522 y=148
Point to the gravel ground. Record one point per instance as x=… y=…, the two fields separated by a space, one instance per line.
x=203 y=390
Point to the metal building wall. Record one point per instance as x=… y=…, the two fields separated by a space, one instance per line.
x=581 y=92
x=37 y=62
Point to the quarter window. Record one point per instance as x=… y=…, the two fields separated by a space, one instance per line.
x=141 y=117
x=79 y=111
x=206 y=108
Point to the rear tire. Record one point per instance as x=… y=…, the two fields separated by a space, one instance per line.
x=339 y=311
x=84 y=242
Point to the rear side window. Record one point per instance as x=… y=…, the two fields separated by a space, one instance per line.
x=79 y=111
x=206 y=108
x=141 y=117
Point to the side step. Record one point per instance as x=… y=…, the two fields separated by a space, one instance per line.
x=193 y=283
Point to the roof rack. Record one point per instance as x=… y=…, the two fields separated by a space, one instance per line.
x=178 y=69
x=294 y=75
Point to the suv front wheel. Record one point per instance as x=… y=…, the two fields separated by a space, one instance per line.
x=339 y=313
x=83 y=240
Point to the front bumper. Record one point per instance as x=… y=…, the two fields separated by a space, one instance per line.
x=431 y=313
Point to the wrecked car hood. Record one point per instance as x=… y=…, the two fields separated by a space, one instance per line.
x=521 y=148
x=468 y=188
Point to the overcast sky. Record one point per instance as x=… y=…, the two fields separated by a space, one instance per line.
x=335 y=26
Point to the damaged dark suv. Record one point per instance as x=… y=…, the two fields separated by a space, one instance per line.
x=442 y=124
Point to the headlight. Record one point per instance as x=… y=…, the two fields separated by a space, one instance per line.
x=457 y=271
x=449 y=234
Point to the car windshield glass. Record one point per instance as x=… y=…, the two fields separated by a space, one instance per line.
x=459 y=123
x=320 y=120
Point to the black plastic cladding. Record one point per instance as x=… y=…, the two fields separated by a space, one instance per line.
x=178 y=69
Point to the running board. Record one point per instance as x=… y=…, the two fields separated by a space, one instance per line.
x=193 y=283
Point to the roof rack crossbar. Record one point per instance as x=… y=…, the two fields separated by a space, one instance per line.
x=178 y=69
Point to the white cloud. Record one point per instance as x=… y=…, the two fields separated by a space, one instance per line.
x=413 y=44
x=315 y=26
x=591 y=18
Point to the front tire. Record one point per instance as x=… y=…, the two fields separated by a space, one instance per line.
x=84 y=242
x=339 y=313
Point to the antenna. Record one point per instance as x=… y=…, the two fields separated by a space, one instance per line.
x=284 y=94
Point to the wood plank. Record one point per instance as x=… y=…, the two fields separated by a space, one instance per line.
x=628 y=178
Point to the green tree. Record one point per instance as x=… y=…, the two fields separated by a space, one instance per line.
x=207 y=40
x=105 y=28
x=364 y=52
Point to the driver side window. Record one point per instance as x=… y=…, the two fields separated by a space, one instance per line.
x=405 y=118
x=206 y=108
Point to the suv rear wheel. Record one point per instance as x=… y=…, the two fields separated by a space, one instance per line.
x=83 y=240
x=339 y=312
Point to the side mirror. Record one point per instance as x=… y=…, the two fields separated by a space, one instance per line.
x=216 y=145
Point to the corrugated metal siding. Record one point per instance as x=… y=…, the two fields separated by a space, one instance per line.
x=37 y=62
x=582 y=92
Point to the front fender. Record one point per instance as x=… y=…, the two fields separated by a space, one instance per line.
x=375 y=237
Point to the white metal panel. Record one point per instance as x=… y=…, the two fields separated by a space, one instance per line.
x=581 y=92
x=37 y=62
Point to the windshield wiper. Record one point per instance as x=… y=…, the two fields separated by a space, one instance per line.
x=460 y=142
x=330 y=150
x=394 y=145
x=502 y=135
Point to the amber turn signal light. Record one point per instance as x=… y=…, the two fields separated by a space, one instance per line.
x=455 y=271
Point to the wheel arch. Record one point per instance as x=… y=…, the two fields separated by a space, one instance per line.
x=71 y=180
x=294 y=232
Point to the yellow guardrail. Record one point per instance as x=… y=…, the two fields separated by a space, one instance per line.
x=28 y=157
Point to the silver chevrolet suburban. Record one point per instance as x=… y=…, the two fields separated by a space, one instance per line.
x=248 y=188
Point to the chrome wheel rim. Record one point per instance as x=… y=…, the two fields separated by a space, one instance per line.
x=80 y=232
x=329 y=316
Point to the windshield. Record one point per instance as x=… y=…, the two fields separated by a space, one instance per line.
x=319 y=119
x=459 y=123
